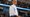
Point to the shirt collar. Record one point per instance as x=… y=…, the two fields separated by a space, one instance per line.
x=14 y=5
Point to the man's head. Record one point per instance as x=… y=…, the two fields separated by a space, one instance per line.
x=14 y=1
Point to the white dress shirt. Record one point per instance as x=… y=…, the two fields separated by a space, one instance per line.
x=13 y=10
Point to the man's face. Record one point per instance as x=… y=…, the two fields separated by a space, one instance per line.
x=14 y=2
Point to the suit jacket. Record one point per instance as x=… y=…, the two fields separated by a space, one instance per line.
x=13 y=10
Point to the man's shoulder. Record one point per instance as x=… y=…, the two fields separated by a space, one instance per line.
x=13 y=6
